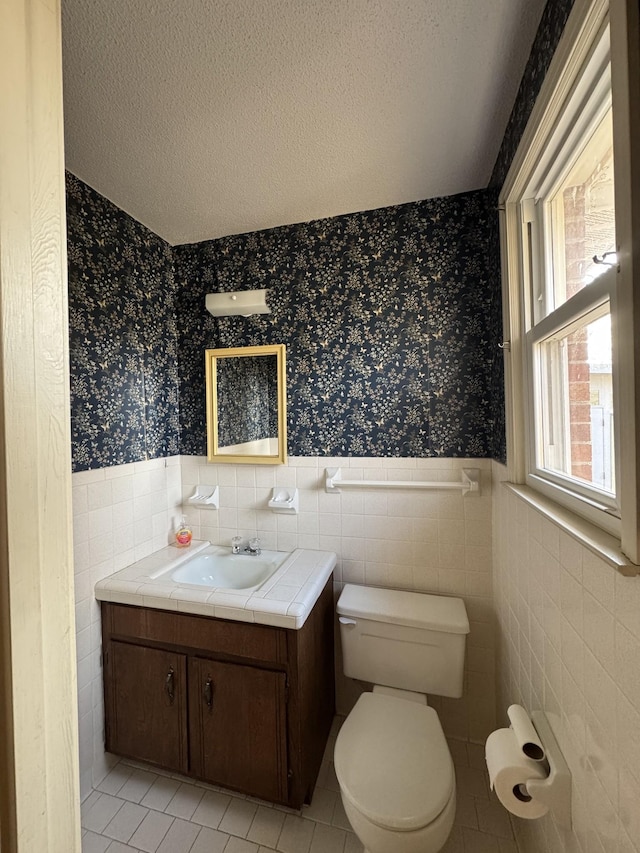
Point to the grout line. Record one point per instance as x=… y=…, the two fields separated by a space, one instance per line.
x=286 y=811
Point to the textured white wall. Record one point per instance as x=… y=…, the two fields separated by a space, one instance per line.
x=569 y=643
x=286 y=112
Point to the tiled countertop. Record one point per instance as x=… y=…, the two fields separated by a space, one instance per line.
x=284 y=600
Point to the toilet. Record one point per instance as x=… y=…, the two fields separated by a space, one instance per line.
x=391 y=758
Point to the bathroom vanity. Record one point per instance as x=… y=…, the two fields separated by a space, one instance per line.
x=241 y=704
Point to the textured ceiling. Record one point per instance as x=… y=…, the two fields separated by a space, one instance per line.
x=203 y=118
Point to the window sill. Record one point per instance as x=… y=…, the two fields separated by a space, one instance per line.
x=602 y=544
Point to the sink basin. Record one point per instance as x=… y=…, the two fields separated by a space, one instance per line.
x=218 y=568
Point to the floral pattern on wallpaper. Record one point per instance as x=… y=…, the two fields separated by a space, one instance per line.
x=550 y=29
x=123 y=340
x=389 y=318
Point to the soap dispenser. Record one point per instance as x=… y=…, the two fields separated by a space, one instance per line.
x=183 y=533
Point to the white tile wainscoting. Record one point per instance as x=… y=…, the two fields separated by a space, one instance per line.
x=569 y=626
x=569 y=643
x=423 y=541
x=120 y=515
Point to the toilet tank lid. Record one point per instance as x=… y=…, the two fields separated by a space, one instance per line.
x=415 y=609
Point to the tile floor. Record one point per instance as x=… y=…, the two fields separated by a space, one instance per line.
x=136 y=808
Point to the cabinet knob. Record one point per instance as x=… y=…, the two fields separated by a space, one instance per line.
x=169 y=685
x=208 y=693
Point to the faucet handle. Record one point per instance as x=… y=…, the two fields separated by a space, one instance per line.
x=236 y=544
x=254 y=545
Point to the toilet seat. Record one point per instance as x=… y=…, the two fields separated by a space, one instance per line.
x=393 y=763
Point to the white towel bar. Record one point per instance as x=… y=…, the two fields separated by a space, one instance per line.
x=468 y=485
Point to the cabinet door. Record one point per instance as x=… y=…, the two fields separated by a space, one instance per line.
x=146 y=704
x=237 y=718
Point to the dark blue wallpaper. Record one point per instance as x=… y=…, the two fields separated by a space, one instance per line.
x=123 y=353
x=549 y=32
x=389 y=318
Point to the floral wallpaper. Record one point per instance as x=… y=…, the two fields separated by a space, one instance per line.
x=550 y=29
x=549 y=32
x=389 y=318
x=495 y=389
x=123 y=340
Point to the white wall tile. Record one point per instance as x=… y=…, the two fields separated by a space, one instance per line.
x=375 y=503
x=451 y=531
x=83 y=613
x=112 y=528
x=122 y=488
x=100 y=521
x=122 y=512
x=82 y=478
x=80 y=528
x=141 y=482
x=580 y=660
x=101 y=548
x=599 y=580
x=451 y=556
x=99 y=494
x=80 y=499
x=286 y=523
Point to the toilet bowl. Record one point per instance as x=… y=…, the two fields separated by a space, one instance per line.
x=391 y=757
x=396 y=775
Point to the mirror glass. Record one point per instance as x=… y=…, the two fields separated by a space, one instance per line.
x=246 y=404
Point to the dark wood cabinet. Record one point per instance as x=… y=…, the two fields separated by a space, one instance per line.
x=241 y=705
x=238 y=724
x=148 y=708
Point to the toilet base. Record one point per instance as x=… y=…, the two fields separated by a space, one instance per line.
x=376 y=839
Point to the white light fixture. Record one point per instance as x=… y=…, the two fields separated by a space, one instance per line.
x=241 y=303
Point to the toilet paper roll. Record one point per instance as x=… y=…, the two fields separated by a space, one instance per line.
x=509 y=771
x=525 y=733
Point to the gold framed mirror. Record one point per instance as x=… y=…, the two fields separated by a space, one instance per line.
x=247 y=405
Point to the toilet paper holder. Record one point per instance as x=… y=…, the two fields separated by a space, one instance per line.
x=555 y=789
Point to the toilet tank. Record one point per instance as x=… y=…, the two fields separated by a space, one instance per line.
x=407 y=640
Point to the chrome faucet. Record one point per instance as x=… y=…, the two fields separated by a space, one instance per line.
x=253 y=548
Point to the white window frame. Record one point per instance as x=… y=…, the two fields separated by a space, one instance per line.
x=620 y=287
x=588 y=301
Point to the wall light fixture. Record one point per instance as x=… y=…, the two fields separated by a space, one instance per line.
x=240 y=303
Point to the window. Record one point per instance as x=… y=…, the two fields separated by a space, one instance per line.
x=568 y=244
x=567 y=264
x=573 y=394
